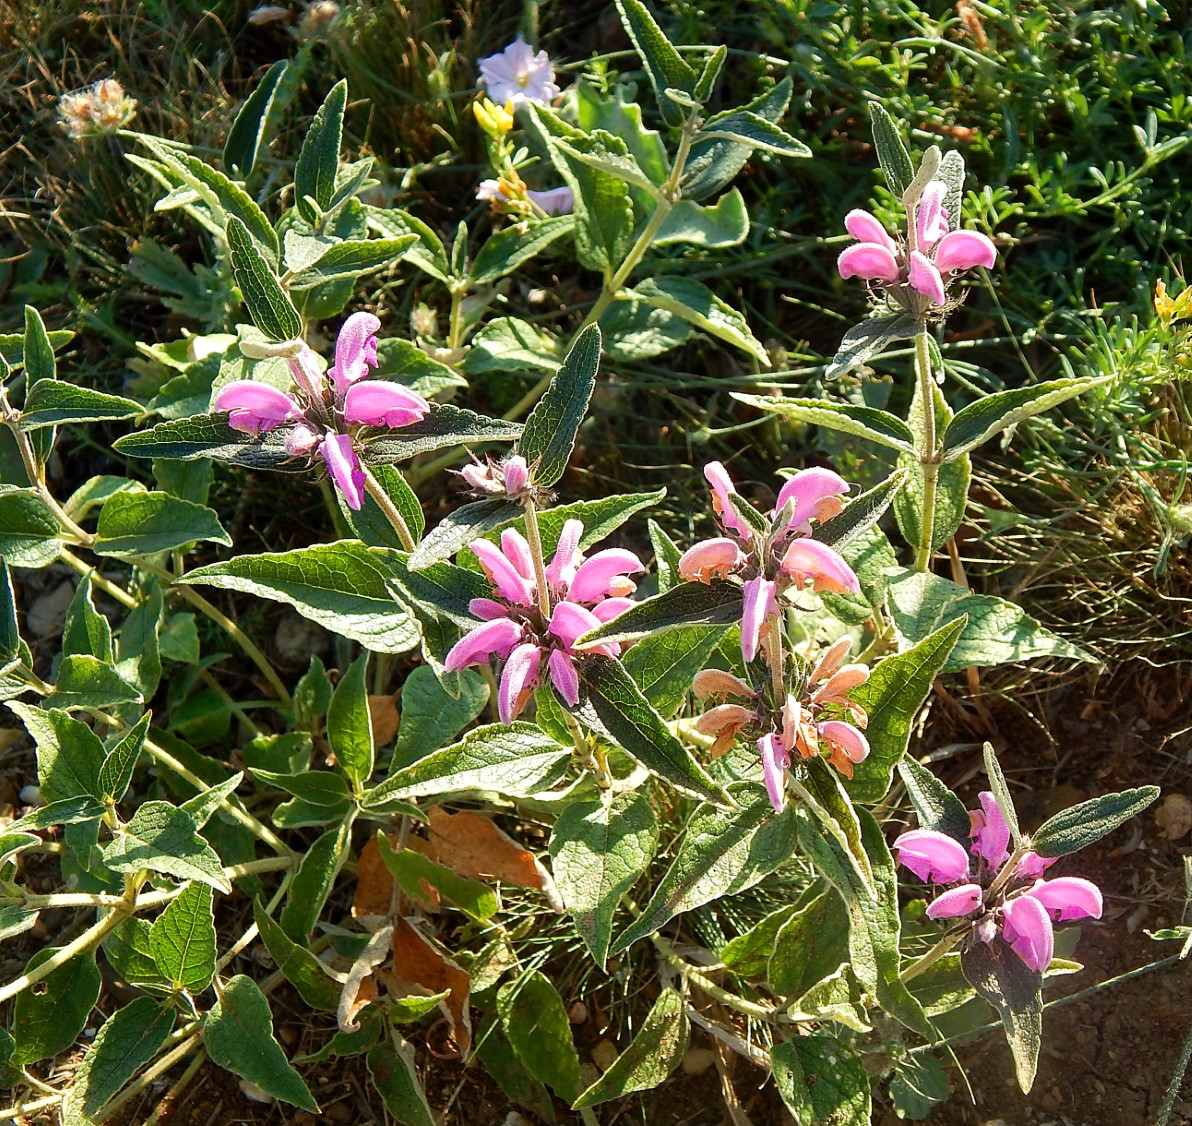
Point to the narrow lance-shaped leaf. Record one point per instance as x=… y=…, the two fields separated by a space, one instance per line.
x=10 y=636
x=349 y=723
x=665 y=67
x=877 y=426
x=461 y=527
x=1003 y=979
x=550 y=431
x=936 y=806
x=1083 y=824
x=1001 y=792
x=248 y=131
x=891 y=152
x=868 y=339
x=688 y=604
x=182 y=940
x=53 y=402
x=318 y=160
x=861 y=513
x=270 y=308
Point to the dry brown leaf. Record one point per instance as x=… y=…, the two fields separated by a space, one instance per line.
x=374 y=884
x=471 y=845
x=385 y=720
x=417 y=962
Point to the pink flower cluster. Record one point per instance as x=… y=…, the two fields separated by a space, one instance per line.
x=1017 y=902
x=931 y=253
x=783 y=556
x=581 y=595
x=324 y=409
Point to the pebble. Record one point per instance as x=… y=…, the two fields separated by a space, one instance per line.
x=698 y=1060
x=604 y=1054
x=1173 y=817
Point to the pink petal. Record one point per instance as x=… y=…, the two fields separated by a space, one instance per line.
x=554 y=201
x=962 y=900
x=561 y=569
x=932 y=856
x=521 y=672
x=344 y=466
x=865 y=227
x=503 y=574
x=931 y=222
x=708 y=559
x=302 y=439
x=490 y=190
x=760 y=604
x=1027 y=929
x=376 y=402
x=569 y=621
x=846 y=737
x=498 y=636
x=717 y=682
x=564 y=677
x=722 y=718
x=612 y=608
x=1069 y=897
x=925 y=278
x=808 y=489
x=991 y=834
x=517 y=551
x=255 y=407
x=868 y=260
x=775 y=762
x=1032 y=865
x=355 y=350
x=517 y=475
x=809 y=559
x=591 y=582
x=722 y=485
x=488 y=608
x=306 y=374
x=962 y=250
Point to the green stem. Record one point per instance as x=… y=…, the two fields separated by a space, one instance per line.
x=929 y=959
x=97 y=580
x=928 y=453
x=535 y=541
x=386 y=505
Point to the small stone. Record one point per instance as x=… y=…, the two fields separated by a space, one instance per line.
x=698 y=1060
x=254 y=1093
x=578 y=1013
x=1173 y=817
x=604 y=1054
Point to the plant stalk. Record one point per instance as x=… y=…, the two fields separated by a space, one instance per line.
x=928 y=453
x=386 y=505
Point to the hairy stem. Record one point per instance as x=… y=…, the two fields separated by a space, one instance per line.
x=534 y=538
x=928 y=454
x=386 y=505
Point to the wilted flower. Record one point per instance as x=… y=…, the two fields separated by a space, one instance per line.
x=1016 y=901
x=775 y=557
x=915 y=269
x=325 y=410
x=510 y=477
x=96 y=111
x=581 y=594
x=519 y=74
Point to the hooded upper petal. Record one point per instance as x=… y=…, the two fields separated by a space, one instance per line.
x=517 y=550
x=564 y=677
x=1069 y=897
x=344 y=466
x=355 y=350
x=868 y=260
x=510 y=583
x=517 y=680
x=758 y=603
x=375 y=402
x=854 y=745
x=497 y=636
x=991 y=833
x=776 y=759
x=865 y=227
x=808 y=558
x=962 y=250
x=931 y=219
x=925 y=278
x=561 y=569
x=709 y=559
x=611 y=608
x=722 y=485
x=962 y=900
x=255 y=407
x=302 y=439
x=932 y=856
x=569 y=621
x=1027 y=929
x=593 y=576
x=809 y=489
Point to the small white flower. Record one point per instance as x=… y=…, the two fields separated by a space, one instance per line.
x=519 y=74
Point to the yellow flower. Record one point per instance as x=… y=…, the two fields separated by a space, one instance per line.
x=1172 y=308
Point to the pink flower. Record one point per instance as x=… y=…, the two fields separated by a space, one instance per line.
x=511 y=477
x=322 y=415
x=519 y=74
x=581 y=594
x=932 y=856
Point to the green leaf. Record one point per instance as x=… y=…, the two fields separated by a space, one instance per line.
x=15 y=919
x=116 y=772
x=821 y=1079
x=350 y=259
x=514 y=246
x=1001 y=792
x=603 y=215
x=163 y=839
x=550 y=431
x=428 y=254
x=723 y=852
x=598 y=849
x=753 y=130
x=314 y=881
x=665 y=664
x=874 y=924
x=12 y=346
x=877 y=426
x=271 y=310
x=126 y=949
x=349 y=723
x=395 y=1080
x=517 y=760
x=28 y=530
x=411 y=870
x=38 y=354
x=635 y=330
x=210 y=436
x=318 y=787
x=810 y=946
x=1003 y=979
x=980 y=421
x=656 y=1050
x=460 y=527
x=64 y=811
x=855 y=525
x=536 y=1025
x=138 y=655
x=688 y=604
x=430 y=717
x=86 y=630
x=52 y=402
x=891 y=152
x=997 y=631
x=247 y=134
x=1088 y=822
x=147 y=523
x=625 y=715
x=868 y=339
x=494 y=1051
x=665 y=67
x=301 y=968
x=182 y=940
x=341 y=586
x=85 y=682
x=509 y=344
x=892 y=696
x=695 y=303
x=238 y=1036
x=936 y=806
x=69 y=754
x=48 y=1016
x=371 y=525
x=125 y=1043
x=712 y=226
x=445 y=425
x=10 y=634
x=318 y=159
